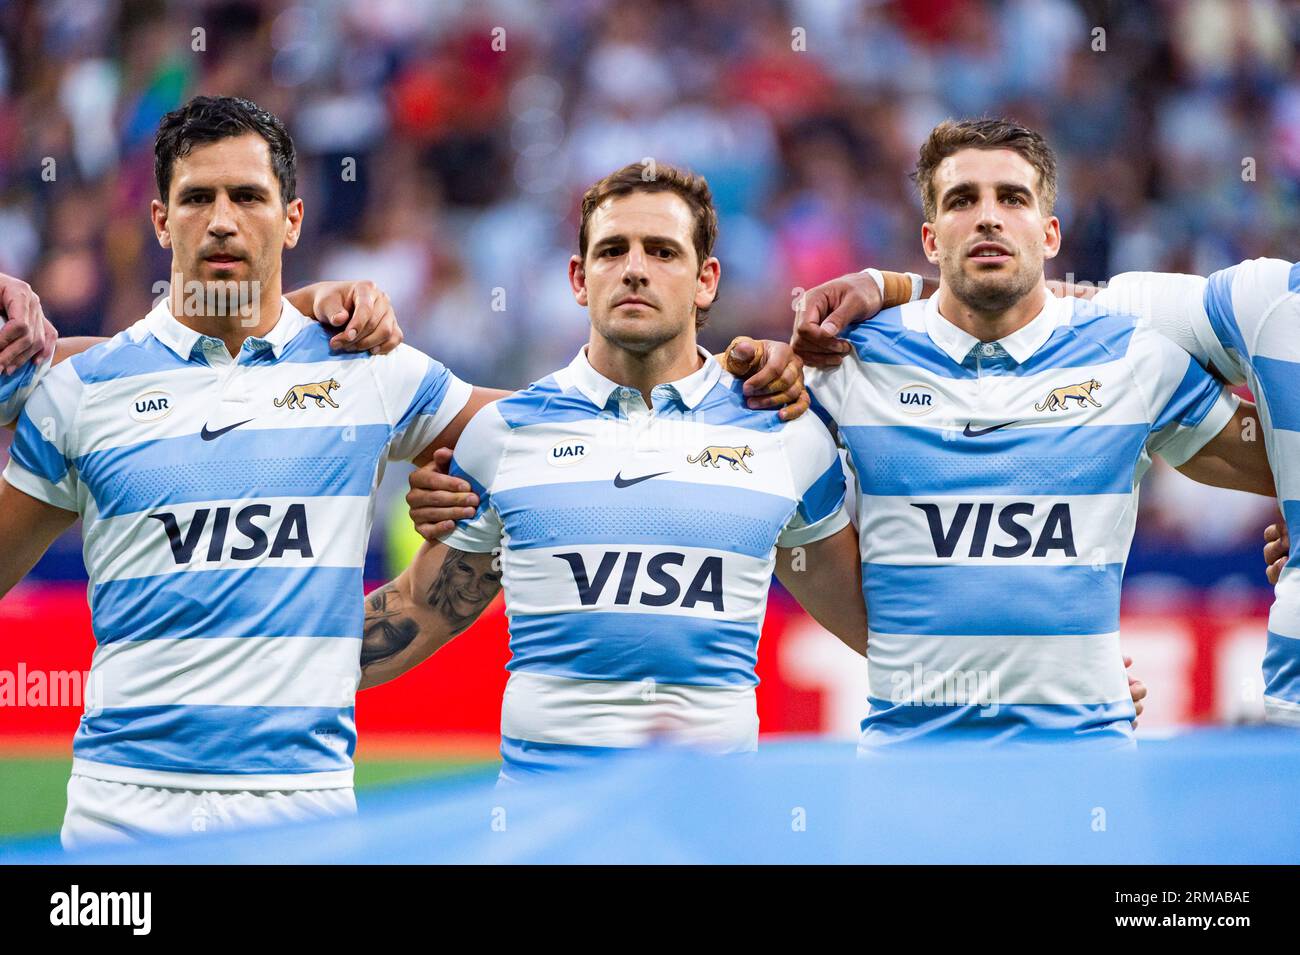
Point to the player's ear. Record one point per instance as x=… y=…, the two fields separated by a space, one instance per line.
x=578 y=280
x=1051 y=237
x=929 y=242
x=706 y=286
x=158 y=213
x=293 y=214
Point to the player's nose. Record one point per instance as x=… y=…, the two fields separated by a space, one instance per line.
x=634 y=267
x=222 y=222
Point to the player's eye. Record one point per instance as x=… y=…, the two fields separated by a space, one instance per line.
x=1016 y=200
x=609 y=252
x=960 y=202
x=665 y=253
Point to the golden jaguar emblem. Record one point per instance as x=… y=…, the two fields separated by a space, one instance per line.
x=715 y=453
x=1080 y=393
x=296 y=397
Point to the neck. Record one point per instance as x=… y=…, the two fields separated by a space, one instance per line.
x=671 y=361
x=990 y=326
x=218 y=311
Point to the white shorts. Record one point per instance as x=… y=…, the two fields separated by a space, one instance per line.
x=100 y=811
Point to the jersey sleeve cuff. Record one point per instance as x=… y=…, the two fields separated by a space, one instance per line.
x=466 y=539
x=1186 y=442
x=811 y=533
x=24 y=480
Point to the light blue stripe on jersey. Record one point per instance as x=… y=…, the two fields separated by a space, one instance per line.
x=545 y=402
x=1191 y=401
x=901 y=460
x=33 y=452
x=596 y=512
x=522 y=757
x=266 y=462
x=123 y=358
x=198 y=739
x=428 y=396
x=1015 y=722
x=312 y=344
x=11 y=384
x=990 y=600
x=257 y=602
x=1218 y=306
x=1293 y=278
x=1282 y=667
x=1279 y=380
x=825 y=495
x=593 y=645
x=483 y=496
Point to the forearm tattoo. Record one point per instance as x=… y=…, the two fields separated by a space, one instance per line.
x=388 y=627
x=466 y=583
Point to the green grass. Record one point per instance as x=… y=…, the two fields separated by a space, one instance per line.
x=33 y=789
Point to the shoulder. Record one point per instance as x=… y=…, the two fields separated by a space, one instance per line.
x=545 y=401
x=724 y=404
x=312 y=344
x=127 y=354
x=1089 y=334
x=887 y=326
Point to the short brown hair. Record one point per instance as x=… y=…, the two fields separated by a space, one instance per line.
x=653 y=176
x=951 y=136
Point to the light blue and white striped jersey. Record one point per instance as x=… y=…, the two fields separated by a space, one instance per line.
x=226 y=507
x=637 y=547
x=996 y=500
x=18 y=385
x=1245 y=322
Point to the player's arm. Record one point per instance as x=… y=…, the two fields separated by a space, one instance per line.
x=826 y=578
x=1234 y=458
x=447 y=438
x=826 y=310
x=361 y=311
x=27 y=527
x=437 y=597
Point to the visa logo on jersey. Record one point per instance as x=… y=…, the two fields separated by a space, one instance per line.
x=246 y=539
x=654 y=580
x=1019 y=529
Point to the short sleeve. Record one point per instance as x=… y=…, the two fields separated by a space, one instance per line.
x=819 y=481
x=41 y=459
x=422 y=398
x=476 y=460
x=17 y=386
x=1187 y=406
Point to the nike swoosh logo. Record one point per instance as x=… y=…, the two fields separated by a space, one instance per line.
x=620 y=481
x=976 y=432
x=207 y=435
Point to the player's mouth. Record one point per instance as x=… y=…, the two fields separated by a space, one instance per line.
x=223 y=260
x=991 y=253
x=634 y=301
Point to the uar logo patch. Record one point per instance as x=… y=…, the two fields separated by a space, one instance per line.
x=565 y=454
x=151 y=405
x=917 y=399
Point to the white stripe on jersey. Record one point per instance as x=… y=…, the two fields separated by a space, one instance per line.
x=619 y=713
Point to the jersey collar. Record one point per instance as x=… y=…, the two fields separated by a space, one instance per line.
x=690 y=391
x=183 y=340
x=957 y=343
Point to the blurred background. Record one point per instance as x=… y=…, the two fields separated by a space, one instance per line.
x=444 y=145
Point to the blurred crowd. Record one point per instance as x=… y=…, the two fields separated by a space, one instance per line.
x=444 y=144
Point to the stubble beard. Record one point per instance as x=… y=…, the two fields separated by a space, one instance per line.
x=990 y=295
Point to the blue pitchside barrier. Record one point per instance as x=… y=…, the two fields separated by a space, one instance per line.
x=1209 y=796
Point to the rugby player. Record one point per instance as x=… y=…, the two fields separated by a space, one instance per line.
x=1240 y=323
x=633 y=509
x=223 y=460
x=1026 y=426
